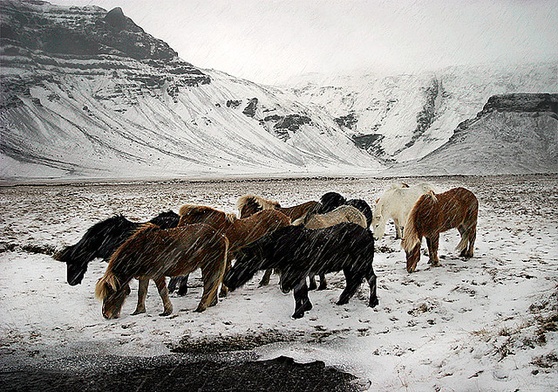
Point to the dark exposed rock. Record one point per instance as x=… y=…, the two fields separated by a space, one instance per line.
x=347 y=121
x=233 y=103
x=292 y=122
x=250 y=109
x=521 y=102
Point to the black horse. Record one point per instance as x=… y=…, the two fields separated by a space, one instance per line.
x=102 y=239
x=331 y=200
x=298 y=252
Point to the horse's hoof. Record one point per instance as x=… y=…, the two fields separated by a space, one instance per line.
x=182 y=293
x=322 y=287
x=298 y=315
x=165 y=313
x=138 y=311
x=373 y=303
x=342 y=302
x=312 y=286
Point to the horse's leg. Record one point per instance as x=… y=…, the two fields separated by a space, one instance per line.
x=371 y=278
x=142 y=294
x=212 y=276
x=398 y=230
x=173 y=282
x=224 y=289
x=265 y=278
x=302 y=302
x=161 y=283
x=472 y=238
x=433 y=243
x=353 y=281
x=183 y=288
x=313 y=284
x=323 y=282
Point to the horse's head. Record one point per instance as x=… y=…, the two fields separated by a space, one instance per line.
x=100 y=240
x=112 y=293
x=330 y=201
x=76 y=260
x=246 y=265
x=378 y=224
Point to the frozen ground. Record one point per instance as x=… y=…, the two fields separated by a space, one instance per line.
x=489 y=323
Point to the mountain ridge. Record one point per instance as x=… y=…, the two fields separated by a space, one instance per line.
x=124 y=105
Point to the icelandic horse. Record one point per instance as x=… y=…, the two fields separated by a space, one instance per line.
x=433 y=214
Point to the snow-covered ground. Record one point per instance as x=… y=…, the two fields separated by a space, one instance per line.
x=488 y=323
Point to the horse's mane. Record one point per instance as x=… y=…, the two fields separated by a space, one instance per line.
x=263 y=203
x=411 y=237
x=108 y=280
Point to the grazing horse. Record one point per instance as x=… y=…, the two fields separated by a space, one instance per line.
x=239 y=232
x=299 y=252
x=102 y=239
x=433 y=214
x=331 y=200
x=250 y=204
x=154 y=253
x=344 y=213
x=396 y=203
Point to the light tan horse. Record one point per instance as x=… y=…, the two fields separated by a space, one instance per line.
x=433 y=214
x=154 y=253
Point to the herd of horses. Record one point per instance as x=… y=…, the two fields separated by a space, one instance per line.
x=298 y=242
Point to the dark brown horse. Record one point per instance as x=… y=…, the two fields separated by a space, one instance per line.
x=239 y=232
x=250 y=204
x=154 y=253
x=433 y=214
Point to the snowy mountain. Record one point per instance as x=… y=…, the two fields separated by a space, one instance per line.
x=514 y=133
x=405 y=117
x=86 y=93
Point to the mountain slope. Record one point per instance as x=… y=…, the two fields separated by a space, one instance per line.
x=405 y=117
x=134 y=109
x=514 y=134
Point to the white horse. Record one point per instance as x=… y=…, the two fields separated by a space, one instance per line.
x=396 y=203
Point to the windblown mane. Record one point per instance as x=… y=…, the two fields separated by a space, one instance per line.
x=108 y=280
x=264 y=204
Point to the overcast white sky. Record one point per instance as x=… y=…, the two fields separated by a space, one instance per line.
x=268 y=41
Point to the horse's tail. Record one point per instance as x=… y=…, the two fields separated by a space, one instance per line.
x=464 y=243
x=262 y=203
x=108 y=281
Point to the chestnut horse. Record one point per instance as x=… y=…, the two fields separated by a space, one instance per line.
x=433 y=214
x=239 y=232
x=154 y=253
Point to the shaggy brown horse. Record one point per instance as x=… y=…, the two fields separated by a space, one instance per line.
x=239 y=232
x=154 y=253
x=433 y=214
x=250 y=204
